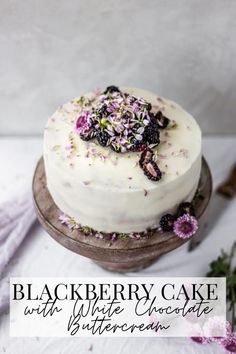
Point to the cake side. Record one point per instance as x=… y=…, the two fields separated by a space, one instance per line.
x=108 y=191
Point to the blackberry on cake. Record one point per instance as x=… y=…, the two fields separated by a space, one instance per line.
x=111 y=89
x=152 y=171
x=146 y=156
x=186 y=208
x=162 y=121
x=103 y=137
x=167 y=222
x=88 y=134
x=151 y=134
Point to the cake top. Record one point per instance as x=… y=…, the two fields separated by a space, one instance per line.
x=123 y=122
x=119 y=120
x=137 y=139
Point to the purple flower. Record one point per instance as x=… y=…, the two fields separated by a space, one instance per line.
x=201 y=340
x=64 y=219
x=83 y=123
x=114 y=237
x=229 y=344
x=134 y=236
x=185 y=226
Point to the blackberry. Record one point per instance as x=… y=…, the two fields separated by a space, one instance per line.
x=153 y=120
x=102 y=138
x=162 y=121
x=111 y=89
x=167 y=222
x=151 y=134
x=88 y=134
x=146 y=156
x=140 y=147
x=186 y=208
x=152 y=171
x=136 y=146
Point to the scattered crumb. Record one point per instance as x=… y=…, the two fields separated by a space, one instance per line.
x=86 y=183
x=145 y=192
x=90 y=349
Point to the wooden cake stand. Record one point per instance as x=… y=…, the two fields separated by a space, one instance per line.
x=121 y=255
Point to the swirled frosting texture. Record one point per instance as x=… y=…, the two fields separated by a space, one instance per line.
x=108 y=191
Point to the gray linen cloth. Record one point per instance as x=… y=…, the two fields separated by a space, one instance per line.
x=16 y=218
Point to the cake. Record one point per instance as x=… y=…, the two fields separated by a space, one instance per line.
x=118 y=159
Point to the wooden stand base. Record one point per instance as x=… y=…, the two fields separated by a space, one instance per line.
x=122 y=255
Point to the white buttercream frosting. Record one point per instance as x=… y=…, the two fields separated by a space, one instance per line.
x=108 y=191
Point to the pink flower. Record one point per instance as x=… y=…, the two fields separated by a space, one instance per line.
x=229 y=344
x=83 y=123
x=185 y=226
x=134 y=236
x=201 y=340
x=64 y=219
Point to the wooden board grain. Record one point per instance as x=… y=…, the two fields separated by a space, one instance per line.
x=123 y=254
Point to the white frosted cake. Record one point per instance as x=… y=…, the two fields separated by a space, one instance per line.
x=118 y=161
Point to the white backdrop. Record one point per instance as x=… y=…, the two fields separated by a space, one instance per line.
x=53 y=50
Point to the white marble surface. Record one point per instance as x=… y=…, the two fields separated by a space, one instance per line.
x=40 y=255
x=52 y=51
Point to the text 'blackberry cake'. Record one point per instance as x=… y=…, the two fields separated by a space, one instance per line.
x=117 y=160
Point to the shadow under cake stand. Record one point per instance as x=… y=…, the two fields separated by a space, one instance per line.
x=121 y=255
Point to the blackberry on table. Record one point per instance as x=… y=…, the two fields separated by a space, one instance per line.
x=111 y=89
x=103 y=138
x=162 y=121
x=186 y=208
x=167 y=222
